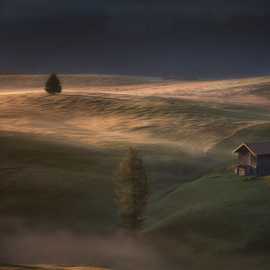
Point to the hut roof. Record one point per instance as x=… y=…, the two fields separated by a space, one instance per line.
x=256 y=149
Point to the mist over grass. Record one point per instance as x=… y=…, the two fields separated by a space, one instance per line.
x=59 y=155
x=117 y=251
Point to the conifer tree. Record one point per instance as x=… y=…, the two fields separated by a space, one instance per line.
x=53 y=85
x=131 y=191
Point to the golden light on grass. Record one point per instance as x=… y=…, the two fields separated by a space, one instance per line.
x=166 y=113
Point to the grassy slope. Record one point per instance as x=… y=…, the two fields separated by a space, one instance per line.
x=70 y=188
x=219 y=208
x=46 y=183
x=46 y=267
x=219 y=211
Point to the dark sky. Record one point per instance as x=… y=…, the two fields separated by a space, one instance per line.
x=188 y=38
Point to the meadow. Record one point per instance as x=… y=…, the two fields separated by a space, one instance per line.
x=59 y=155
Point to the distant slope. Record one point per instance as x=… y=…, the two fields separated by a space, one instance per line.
x=254 y=90
x=20 y=83
x=256 y=133
x=103 y=119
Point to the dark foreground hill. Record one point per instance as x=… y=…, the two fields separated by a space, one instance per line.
x=46 y=267
x=47 y=188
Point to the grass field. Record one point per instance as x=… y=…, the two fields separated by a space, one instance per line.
x=46 y=267
x=59 y=155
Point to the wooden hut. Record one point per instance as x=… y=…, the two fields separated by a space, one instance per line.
x=253 y=159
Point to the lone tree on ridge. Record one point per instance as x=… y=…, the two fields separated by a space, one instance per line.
x=53 y=85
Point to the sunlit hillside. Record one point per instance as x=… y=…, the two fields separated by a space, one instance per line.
x=96 y=111
x=59 y=155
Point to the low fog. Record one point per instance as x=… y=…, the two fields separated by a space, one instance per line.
x=22 y=245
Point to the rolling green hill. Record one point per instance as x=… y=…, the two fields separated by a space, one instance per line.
x=48 y=184
x=53 y=184
x=218 y=212
x=59 y=155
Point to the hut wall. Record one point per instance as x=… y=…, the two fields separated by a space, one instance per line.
x=244 y=157
x=263 y=165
